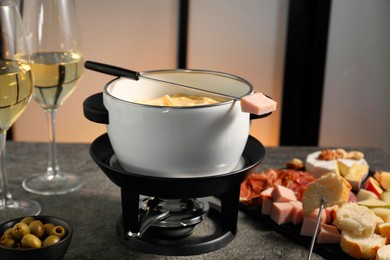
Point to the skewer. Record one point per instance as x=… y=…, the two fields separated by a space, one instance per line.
x=313 y=240
x=134 y=75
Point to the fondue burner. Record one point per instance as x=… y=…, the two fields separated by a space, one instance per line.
x=170 y=218
x=165 y=216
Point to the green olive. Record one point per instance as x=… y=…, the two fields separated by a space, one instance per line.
x=36 y=228
x=31 y=241
x=50 y=240
x=58 y=231
x=8 y=232
x=20 y=229
x=48 y=227
x=27 y=220
x=8 y=241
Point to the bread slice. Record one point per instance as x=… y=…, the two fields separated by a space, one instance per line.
x=361 y=246
x=331 y=187
x=383 y=253
x=355 y=219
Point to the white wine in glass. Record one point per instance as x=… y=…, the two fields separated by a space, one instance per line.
x=16 y=83
x=57 y=65
x=56 y=75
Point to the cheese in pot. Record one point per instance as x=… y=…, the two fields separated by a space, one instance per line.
x=181 y=100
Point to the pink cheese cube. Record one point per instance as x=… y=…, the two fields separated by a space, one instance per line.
x=267 y=192
x=328 y=234
x=309 y=223
x=281 y=212
x=283 y=194
x=266 y=206
x=297 y=212
x=258 y=104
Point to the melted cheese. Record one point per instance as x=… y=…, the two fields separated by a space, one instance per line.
x=180 y=100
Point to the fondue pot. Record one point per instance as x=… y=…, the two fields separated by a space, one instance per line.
x=174 y=142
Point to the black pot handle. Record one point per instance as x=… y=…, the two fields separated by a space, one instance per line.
x=94 y=109
x=253 y=116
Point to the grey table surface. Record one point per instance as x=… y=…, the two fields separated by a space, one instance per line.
x=95 y=208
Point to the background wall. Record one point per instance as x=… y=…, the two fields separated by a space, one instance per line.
x=356 y=107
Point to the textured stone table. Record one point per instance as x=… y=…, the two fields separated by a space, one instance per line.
x=94 y=210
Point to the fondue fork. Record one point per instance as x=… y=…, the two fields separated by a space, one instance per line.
x=313 y=240
x=134 y=75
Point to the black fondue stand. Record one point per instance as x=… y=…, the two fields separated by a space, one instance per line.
x=224 y=186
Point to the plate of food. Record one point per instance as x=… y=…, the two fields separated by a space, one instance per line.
x=355 y=223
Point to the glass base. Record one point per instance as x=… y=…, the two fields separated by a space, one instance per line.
x=19 y=208
x=45 y=184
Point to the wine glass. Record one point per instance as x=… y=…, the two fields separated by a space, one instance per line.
x=16 y=83
x=57 y=65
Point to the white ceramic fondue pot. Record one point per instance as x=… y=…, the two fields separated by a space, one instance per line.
x=177 y=142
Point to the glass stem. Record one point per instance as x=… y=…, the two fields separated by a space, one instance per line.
x=53 y=169
x=6 y=197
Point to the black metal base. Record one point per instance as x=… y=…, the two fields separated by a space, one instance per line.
x=189 y=245
x=132 y=185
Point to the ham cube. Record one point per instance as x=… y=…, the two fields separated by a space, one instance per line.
x=267 y=192
x=309 y=223
x=266 y=206
x=297 y=212
x=258 y=104
x=330 y=213
x=328 y=234
x=281 y=212
x=283 y=194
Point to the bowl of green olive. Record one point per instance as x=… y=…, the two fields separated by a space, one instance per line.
x=36 y=237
